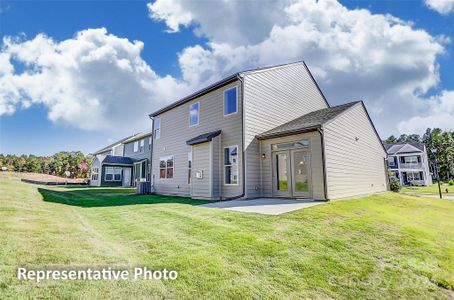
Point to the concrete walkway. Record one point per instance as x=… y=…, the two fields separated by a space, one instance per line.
x=267 y=206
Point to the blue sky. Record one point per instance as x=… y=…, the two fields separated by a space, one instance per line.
x=419 y=81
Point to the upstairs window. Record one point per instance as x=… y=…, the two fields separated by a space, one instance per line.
x=142 y=143
x=231 y=165
x=230 y=101
x=391 y=161
x=166 y=167
x=157 y=128
x=136 y=146
x=194 y=111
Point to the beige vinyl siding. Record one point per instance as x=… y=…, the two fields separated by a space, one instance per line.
x=354 y=167
x=202 y=187
x=273 y=97
x=216 y=167
x=315 y=157
x=175 y=131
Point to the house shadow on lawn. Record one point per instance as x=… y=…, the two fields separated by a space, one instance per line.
x=99 y=197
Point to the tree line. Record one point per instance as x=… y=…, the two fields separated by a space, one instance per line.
x=75 y=162
x=443 y=141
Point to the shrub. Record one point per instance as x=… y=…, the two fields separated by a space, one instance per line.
x=394 y=184
x=451 y=182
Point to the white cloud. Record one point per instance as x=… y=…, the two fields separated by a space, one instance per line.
x=354 y=54
x=94 y=81
x=439 y=113
x=443 y=7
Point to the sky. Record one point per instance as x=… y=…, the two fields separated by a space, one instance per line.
x=78 y=75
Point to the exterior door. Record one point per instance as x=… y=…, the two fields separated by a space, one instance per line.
x=126 y=176
x=301 y=175
x=291 y=173
x=281 y=174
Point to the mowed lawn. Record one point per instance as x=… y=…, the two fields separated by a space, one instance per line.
x=431 y=189
x=387 y=246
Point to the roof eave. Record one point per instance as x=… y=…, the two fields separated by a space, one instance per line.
x=288 y=132
x=199 y=93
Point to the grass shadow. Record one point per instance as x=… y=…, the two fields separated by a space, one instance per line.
x=103 y=197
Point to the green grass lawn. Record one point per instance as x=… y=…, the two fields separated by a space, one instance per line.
x=430 y=189
x=387 y=246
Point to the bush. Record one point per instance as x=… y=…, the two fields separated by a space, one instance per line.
x=451 y=182
x=394 y=184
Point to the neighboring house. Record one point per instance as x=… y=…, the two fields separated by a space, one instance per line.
x=266 y=133
x=138 y=148
x=408 y=161
x=123 y=163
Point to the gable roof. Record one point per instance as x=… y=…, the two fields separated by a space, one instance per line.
x=307 y=122
x=138 y=136
x=107 y=148
x=404 y=147
x=118 y=160
x=230 y=79
x=125 y=140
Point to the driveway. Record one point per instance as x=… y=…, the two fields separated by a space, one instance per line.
x=267 y=206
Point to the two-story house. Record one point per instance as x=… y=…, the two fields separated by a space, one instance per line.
x=267 y=132
x=409 y=162
x=123 y=163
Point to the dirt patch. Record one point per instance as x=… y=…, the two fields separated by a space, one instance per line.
x=45 y=178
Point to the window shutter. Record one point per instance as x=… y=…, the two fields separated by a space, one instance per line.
x=421 y=175
x=419 y=158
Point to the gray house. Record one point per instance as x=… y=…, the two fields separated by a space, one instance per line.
x=408 y=162
x=123 y=163
x=266 y=133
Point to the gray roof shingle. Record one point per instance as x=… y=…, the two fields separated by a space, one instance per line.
x=396 y=147
x=307 y=122
x=118 y=160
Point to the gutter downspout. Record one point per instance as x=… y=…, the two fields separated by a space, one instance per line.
x=322 y=141
x=243 y=165
x=151 y=154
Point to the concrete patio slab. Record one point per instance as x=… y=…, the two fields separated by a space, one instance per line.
x=267 y=206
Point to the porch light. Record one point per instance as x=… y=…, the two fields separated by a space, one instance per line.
x=263 y=155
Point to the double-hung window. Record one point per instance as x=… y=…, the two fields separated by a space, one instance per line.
x=189 y=167
x=194 y=112
x=94 y=174
x=166 y=167
x=136 y=146
x=231 y=165
x=157 y=128
x=230 y=101
x=113 y=174
x=142 y=143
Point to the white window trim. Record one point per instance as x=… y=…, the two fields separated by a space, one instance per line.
x=198 y=114
x=160 y=129
x=237 y=166
x=113 y=174
x=223 y=101
x=159 y=167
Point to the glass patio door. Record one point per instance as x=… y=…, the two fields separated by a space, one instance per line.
x=281 y=174
x=301 y=179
